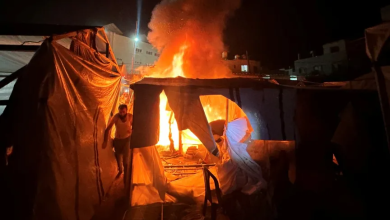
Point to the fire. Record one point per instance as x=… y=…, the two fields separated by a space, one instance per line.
x=177 y=62
x=214 y=107
x=169 y=130
x=165 y=121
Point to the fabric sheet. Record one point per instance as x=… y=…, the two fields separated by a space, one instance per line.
x=58 y=113
x=238 y=170
x=148 y=177
x=189 y=114
x=146 y=116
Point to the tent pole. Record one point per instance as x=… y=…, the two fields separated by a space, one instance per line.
x=226 y=123
x=180 y=143
x=129 y=181
x=227 y=111
x=383 y=99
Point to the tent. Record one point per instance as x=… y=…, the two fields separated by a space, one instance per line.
x=308 y=116
x=55 y=120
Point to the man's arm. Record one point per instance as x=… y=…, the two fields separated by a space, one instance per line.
x=108 y=130
x=131 y=119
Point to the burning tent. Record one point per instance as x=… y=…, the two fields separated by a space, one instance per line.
x=189 y=102
x=55 y=120
x=308 y=117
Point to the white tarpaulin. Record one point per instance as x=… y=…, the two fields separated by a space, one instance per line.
x=238 y=170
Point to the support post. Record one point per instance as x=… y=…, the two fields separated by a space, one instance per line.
x=129 y=182
x=171 y=142
x=181 y=143
x=107 y=50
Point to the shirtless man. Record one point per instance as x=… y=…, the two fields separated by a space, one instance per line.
x=121 y=144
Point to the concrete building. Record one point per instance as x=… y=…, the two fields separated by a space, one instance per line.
x=241 y=65
x=385 y=13
x=123 y=47
x=344 y=59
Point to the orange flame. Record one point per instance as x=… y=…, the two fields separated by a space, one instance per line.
x=176 y=68
x=214 y=107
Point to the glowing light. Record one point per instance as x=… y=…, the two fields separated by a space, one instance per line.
x=176 y=68
x=177 y=62
x=136 y=39
x=215 y=109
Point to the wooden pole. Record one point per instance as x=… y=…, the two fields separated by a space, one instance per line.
x=226 y=124
x=171 y=142
x=180 y=143
x=129 y=180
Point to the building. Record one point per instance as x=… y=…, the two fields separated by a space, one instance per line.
x=123 y=47
x=385 y=13
x=343 y=59
x=242 y=65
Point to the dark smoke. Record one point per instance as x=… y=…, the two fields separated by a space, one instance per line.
x=197 y=23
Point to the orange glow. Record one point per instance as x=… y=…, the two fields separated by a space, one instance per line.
x=214 y=107
x=177 y=62
x=164 y=125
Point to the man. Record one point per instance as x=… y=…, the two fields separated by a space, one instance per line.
x=121 y=143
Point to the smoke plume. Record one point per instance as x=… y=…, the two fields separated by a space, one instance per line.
x=198 y=26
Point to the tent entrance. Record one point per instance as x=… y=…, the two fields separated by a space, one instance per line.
x=181 y=152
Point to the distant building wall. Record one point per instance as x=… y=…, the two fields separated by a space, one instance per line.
x=325 y=64
x=340 y=58
x=241 y=66
x=123 y=48
x=385 y=13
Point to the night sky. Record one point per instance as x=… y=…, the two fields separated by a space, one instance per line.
x=273 y=31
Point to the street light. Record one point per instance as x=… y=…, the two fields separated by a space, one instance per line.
x=134 y=45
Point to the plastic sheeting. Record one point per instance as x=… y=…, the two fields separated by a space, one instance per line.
x=270 y=110
x=151 y=185
x=189 y=114
x=57 y=115
x=376 y=38
x=238 y=170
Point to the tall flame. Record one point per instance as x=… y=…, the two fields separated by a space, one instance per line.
x=177 y=62
x=214 y=107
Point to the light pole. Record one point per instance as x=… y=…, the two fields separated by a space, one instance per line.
x=135 y=40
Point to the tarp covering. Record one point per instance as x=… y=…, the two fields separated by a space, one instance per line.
x=263 y=107
x=376 y=38
x=237 y=169
x=57 y=115
x=148 y=177
x=189 y=114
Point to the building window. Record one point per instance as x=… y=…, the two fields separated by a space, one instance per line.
x=234 y=66
x=156 y=54
x=149 y=53
x=336 y=67
x=318 y=68
x=138 y=50
x=244 y=68
x=334 y=49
